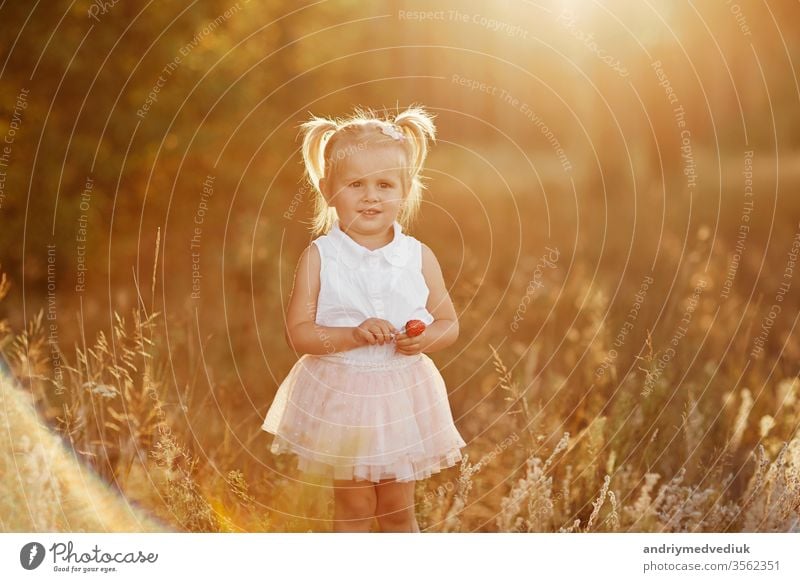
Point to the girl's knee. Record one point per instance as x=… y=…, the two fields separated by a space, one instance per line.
x=396 y=505
x=396 y=522
x=396 y=518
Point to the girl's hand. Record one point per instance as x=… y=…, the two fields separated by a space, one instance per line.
x=409 y=346
x=374 y=331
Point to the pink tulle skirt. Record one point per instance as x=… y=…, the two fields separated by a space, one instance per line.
x=349 y=419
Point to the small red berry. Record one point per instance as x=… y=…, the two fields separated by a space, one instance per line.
x=414 y=327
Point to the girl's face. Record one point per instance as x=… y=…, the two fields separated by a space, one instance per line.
x=367 y=188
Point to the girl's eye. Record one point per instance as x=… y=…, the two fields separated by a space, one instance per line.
x=385 y=185
x=355 y=184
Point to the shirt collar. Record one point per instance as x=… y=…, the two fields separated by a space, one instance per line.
x=354 y=254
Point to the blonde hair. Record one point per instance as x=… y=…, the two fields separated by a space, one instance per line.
x=323 y=137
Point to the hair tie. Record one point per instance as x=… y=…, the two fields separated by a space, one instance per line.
x=394 y=132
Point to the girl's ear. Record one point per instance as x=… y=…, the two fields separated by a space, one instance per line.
x=323 y=187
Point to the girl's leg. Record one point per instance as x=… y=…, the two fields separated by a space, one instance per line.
x=395 y=506
x=354 y=505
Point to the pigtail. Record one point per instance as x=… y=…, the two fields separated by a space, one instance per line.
x=417 y=125
x=316 y=132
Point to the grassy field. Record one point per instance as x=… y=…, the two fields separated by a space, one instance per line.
x=575 y=420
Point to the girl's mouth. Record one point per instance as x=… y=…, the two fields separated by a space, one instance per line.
x=370 y=212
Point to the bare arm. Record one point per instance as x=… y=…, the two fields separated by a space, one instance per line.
x=302 y=334
x=443 y=331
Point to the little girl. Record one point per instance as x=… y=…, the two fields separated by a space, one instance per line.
x=363 y=404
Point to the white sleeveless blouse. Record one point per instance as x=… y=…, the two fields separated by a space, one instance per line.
x=357 y=283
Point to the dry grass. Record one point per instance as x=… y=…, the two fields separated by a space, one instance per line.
x=709 y=446
x=46 y=485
